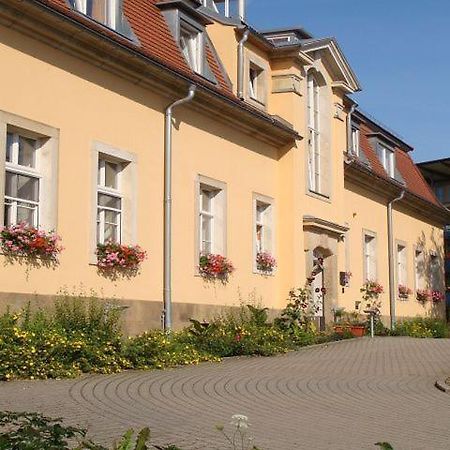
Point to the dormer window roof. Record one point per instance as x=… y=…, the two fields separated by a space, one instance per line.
x=188 y=27
x=106 y=12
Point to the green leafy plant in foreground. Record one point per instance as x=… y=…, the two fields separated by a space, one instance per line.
x=385 y=446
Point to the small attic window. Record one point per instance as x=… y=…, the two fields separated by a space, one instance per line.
x=106 y=12
x=191 y=44
x=228 y=8
x=387 y=158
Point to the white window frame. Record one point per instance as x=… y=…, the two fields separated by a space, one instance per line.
x=435 y=276
x=419 y=278
x=370 y=269
x=355 y=140
x=13 y=167
x=314 y=144
x=46 y=165
x=127 y=189
x=387 y=159
x=191 y=39
x=255 y=81
x=111 y=192
x=267 y=224
x=208 y=216
x=111 y=14
x=402 y=263
x=219 y=213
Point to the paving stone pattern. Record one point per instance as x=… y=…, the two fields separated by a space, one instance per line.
x=341 y=396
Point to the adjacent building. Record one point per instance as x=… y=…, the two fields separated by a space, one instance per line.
x=269 y=155
x=437 y=174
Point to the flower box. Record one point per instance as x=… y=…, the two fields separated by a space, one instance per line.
x=404 y=292
x=215 y=267
x=24 y=240
x=423 y=296
x=112 y=256
x=437 y=296
x=265 y=262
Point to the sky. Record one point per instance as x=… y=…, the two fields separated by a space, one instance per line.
x=399 y=50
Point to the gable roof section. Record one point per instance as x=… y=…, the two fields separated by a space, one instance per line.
x=413 y=178
x=154 y=38
x=156 y=44
x=345 y=77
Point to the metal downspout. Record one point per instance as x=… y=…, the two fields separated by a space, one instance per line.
x=240 y=81
x=391 y=263
x=167 y=292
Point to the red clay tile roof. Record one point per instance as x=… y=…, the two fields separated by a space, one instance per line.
x=415 y=182
x=155 y=39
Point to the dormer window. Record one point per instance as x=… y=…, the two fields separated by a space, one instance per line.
x=255 y=77
x=354 y=145
x=106 y=12
x=191 y=44
x=227 y=8
x=387 y=159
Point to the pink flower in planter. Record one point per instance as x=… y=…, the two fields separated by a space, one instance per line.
x=265 y=262
x=437 y=296
x=27 y=241
x=113 y=256
x=212 y=267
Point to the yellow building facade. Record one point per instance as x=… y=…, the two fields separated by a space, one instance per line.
x=270 y=155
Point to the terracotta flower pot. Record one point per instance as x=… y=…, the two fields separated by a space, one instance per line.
x=357 y=330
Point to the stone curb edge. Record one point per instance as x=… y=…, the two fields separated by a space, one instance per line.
x=442 y=386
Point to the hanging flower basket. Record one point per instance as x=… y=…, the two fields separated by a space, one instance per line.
x=423 y=296
x=215 y=267
x=265 y=262
x=112 y=256
x=437 y=296
x=404 y=292
x=24 y=240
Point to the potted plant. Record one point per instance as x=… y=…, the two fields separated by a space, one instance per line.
x=437 y=296
x=265 y=263
x=423 y=296
x=404 y=292
x=115 y=257
x=215 y=267
x=24 y=240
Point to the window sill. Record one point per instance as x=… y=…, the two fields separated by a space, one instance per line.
x=260 y=104
x=318 y=196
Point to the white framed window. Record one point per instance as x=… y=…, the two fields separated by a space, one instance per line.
x=109 y=201
x=435 y=272
x=103 y=11
x=22 y=179
x=210 y=210
x=227 y=8
x=402 y=270
x=387 y=159
x=369 y=256
x=313 y=106
x=355 y=141
x=263 y=223
x=113 y=197
x=419 y=269
x=206 y=217
x=256 y=83
x=191 y=44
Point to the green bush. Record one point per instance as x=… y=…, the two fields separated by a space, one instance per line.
x=79 y=335
x=83 y=334
x=245 y=332
x=422 y=327
x=157 y=350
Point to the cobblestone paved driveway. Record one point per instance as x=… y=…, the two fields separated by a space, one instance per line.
x=346 y=395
